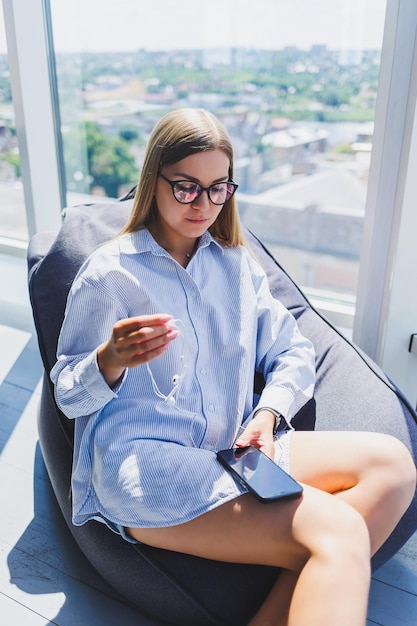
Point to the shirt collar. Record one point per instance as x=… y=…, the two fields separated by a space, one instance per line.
x=142 y=241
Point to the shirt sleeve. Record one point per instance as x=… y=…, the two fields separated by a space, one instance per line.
x=284 y=356
x=91 y=312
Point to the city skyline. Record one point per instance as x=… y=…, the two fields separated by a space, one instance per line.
x=91 y=25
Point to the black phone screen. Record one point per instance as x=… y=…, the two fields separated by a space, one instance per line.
x=264 y=478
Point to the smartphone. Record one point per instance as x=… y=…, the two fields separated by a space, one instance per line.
x=264 y=478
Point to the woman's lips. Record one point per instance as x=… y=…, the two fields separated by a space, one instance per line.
x=197 y=221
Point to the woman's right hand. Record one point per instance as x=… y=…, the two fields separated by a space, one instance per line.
x=134 y=341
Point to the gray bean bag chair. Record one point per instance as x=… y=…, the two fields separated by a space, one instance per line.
x=352 y=394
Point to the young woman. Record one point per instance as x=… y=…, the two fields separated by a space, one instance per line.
x=164 y=328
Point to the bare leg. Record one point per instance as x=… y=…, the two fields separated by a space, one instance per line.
x=276 y=607
x=322 y=539
x=372 y=472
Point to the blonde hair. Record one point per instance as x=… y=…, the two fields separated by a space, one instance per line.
x=177 y=135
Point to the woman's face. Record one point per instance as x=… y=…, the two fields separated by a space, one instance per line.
x=178 y=222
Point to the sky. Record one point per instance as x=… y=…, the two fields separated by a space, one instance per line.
x=123 y=25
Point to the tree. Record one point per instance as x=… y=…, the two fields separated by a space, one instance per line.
x=129 y=133
x=113 y=165
x=93 y=158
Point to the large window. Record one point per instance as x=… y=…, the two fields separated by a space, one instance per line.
x=295 y=84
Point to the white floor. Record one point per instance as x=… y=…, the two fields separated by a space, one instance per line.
x=44 y=579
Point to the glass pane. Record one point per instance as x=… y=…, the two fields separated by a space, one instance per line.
x=12 y=204
x=295 y=84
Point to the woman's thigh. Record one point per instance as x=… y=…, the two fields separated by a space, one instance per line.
x=282 y=534
x=335 y=460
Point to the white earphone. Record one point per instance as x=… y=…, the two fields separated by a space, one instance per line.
x=176 y=379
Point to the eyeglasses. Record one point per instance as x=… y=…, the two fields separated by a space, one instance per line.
x=186 y=192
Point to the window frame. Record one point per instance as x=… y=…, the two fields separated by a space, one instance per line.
x=29 y=58
x=386 y=303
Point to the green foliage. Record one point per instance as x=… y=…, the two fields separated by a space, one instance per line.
x=113 y=165
x=344 y=148
x=94 y=158
x=129 y=134
x=12 y=158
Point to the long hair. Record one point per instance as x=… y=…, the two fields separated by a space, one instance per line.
x=177 y=135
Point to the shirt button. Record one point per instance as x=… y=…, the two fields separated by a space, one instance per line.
x=211 y=407
x=202 y=371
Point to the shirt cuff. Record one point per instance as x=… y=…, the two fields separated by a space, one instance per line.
x=278 y=416
x=94 y=382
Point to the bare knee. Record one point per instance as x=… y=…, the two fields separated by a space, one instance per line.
x=335 y=533
x=392 y=457
x=345 y=538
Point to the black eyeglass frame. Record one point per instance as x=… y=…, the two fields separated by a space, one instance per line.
x=207 y=189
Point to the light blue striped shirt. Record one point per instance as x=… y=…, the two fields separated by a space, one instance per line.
x=137 y=460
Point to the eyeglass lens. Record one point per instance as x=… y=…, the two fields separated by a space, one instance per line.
x=186 y=192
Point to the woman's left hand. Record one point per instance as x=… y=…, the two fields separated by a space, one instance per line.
x=259 y=433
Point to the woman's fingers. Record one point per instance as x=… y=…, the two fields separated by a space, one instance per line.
x=131 y=326
x=140 y=339
x=153 y=347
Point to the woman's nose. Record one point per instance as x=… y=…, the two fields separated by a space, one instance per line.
x=203 y=201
